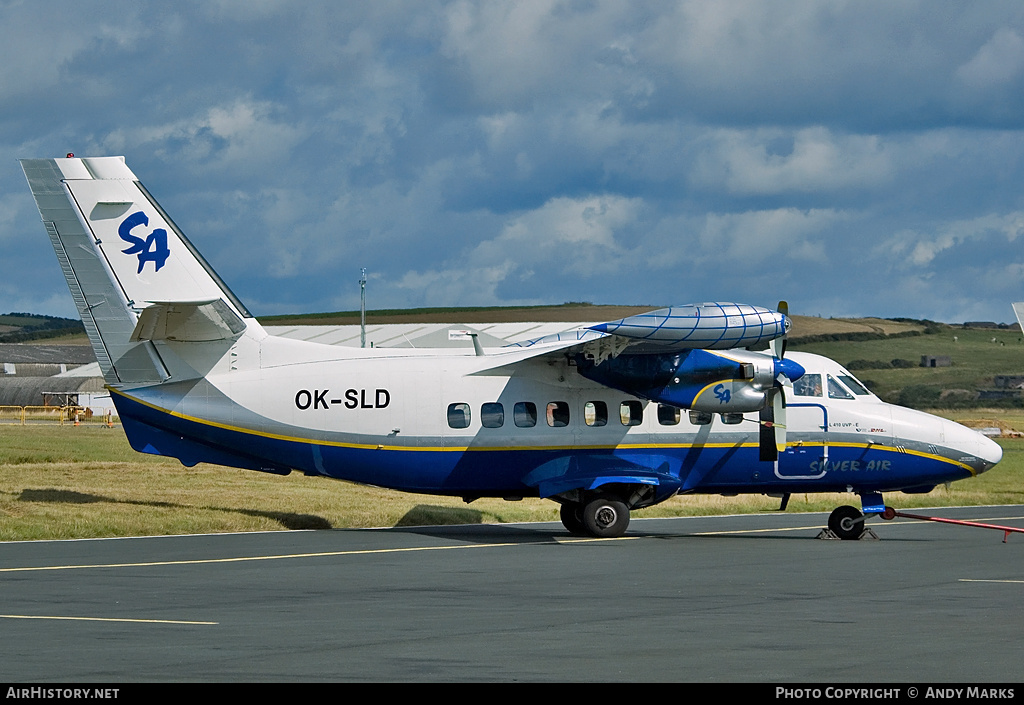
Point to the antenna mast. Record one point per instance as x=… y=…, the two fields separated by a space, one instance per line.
x=362 y=309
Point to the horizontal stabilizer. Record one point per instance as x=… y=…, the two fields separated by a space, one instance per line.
x=188 y=321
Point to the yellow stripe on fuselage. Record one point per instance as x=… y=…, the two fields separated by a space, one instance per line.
x=464 y=449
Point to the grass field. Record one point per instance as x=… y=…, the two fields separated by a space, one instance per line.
x=68 y=482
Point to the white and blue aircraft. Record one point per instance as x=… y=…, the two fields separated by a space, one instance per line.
x=602 y=419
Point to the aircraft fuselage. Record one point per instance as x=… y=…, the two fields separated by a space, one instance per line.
x=433 y=423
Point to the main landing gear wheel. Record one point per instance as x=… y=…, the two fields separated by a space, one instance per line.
x=846 y=522
x=605 y=517
x=572 y=518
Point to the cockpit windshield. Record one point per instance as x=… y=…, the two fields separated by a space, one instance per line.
x=836 y=390
x=839 y=386
x=853 y=385
x=809 y=385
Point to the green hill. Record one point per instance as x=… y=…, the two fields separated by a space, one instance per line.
x=890 y=365
x=25 y=327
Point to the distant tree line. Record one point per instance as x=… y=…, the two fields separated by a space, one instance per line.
x=897 y=364
x=36 y=327
x=859 y=336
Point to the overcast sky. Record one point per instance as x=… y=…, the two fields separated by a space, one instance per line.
x=856 y=158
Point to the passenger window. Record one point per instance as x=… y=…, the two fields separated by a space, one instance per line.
x=595 y=413
x=558 y=414
x=808 y=386
x=836 y=390
x=700 y=418
x=524 y=413
x=492 y=415
x=668 y=415
x=458 y=415
x=631 y=413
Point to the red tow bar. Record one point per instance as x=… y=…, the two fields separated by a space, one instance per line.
x=891 y=513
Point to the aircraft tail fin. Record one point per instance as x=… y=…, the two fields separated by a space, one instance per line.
x=1018 y=311
x=134 y=276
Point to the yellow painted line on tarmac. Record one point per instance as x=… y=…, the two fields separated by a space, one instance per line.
x=816 y=527
x=870 y=524
x=759 y=531
x=360 y=552
x=982 y=580
x=102 y=619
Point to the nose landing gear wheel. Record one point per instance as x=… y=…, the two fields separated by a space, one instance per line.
x=605 y=517
x=846 y=522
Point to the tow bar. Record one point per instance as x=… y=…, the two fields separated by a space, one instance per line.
x=891 y=513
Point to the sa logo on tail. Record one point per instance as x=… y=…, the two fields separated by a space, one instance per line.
x=152 y=249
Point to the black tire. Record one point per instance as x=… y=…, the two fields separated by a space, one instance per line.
x=572 y=518
x=846 y=522
x=605 y=517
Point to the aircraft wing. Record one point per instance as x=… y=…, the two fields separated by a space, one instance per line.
x=706 y=326
x=678 y=364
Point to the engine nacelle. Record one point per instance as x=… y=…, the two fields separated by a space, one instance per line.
x=727 y=396
x=736 y=381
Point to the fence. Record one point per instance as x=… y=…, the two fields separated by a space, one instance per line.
x=55 y=415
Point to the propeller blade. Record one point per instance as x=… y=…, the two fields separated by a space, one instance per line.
x=772 y=435
x=768 y=450
x=779 y=408
x=779 y=344
x=771 y=439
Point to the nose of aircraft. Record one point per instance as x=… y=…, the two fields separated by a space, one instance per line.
x=962 y=444
x=990 y=452
x=970 y=442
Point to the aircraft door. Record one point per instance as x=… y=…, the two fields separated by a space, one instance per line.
x=806 y=455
